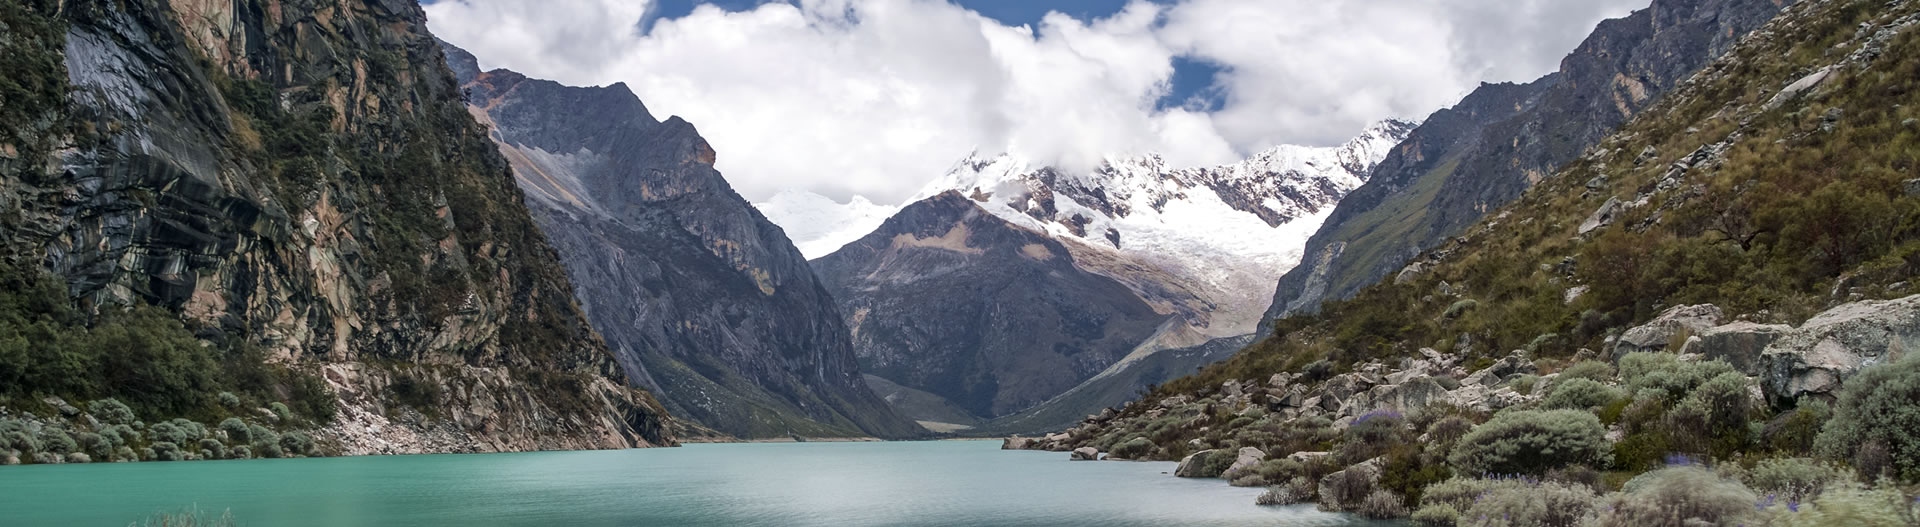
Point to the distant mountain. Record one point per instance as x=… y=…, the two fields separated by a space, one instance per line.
x=1203 y=242
x=1138 y=258
x=703 y=300
x=949 y=299
x=1503 y=138
x=818 y=225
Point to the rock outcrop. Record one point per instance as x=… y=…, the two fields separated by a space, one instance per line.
x=1659 y=333
x=704 y=301
x=1814 y=359
x=303 y=178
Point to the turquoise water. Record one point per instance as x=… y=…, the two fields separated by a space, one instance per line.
x=805 y=484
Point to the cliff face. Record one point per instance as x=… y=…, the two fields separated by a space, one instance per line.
x=301 y=176
x=949 y=299
x=703 y=300
x=1503 y=139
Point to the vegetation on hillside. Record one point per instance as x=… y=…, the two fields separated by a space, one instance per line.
x=1773 y=207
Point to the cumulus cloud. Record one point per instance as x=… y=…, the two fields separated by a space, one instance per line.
x=876 y=97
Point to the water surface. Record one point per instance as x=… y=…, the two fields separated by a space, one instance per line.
x=935 y=483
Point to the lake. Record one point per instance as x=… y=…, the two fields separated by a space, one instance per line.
x=933 y=483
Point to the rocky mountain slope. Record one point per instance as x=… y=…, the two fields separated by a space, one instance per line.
x=1504 y=138
x=1726 y=282
x=949 y=299
x=1204 y=242
x=704 y=301
x=300 y=185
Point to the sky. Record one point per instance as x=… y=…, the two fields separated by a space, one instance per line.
x=877 y=97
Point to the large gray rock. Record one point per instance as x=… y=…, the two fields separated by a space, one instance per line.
x=1601 y=217
x=1247 y=459
x=1739 y=344
x=1816 y=358
x=1194 y=465
x=1501 y=370
x=1655 y=334
x=1016 y=443
x=1085 y=453
x=1407 y=396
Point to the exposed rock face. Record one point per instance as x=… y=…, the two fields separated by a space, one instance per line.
x=303 y=176
x=1739 y=344
x=1657 y=334
x=1816 y=358
x=1085 y=453
x=704 y=301
x=949 y=299
x=1500 y=140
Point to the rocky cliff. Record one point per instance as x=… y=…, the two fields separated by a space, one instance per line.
x=301 y=178
x=949 y=299
x=704 y=301
x=1502 y=139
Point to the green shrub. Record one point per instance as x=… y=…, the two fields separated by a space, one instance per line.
x=167 y=432
x=54 y=440
x=1532 y=442
x=280 y=411
x=236 y=430
x=1449 y=429
x=1523 y=384
x=190 y=431
x=1345 y=490
x=297 y=444
x=1531 y=504
x=165 y=451
x=229 y=400
x=1591 y=370
x=111 y=411
x=1851 y=505
x=1460 y=308
x=1667 y=373
x=1292 y=493
x=1713 y=417
x=240 y=452
x=1248 y=480
x=1879 y=406
x=1439 y=515
x=1682 y=496
x=211 y=448
x=1580 y=393
x=1382 y=505
x=1136 y=448
x=1408 y=472
x=1793 y=432
x=1795 y=479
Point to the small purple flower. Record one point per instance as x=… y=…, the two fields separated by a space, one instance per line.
x=1793 y=505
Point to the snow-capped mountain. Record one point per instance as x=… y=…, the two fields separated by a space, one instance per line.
x=818 y=225
x=1207 y=242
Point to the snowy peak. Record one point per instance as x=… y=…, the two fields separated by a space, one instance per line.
x=818 y=225
x=1214 y=237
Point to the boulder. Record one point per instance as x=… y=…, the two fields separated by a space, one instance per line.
x=1085 y=453
x=1739 y=344
x=1513 y=364
x=1246 y=459
x=1305 y=457
x=1016 y=443
x=1408 y=396
x=1816 y=358
x=1369 y=470
x=1194 y=465
x=1798 y=87
x=1174 y=402
x=1913 y=185
x=1601 y=217
x=1655 y=334
x=1230 y=388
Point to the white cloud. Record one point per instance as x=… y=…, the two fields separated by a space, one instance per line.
x=875 y=97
